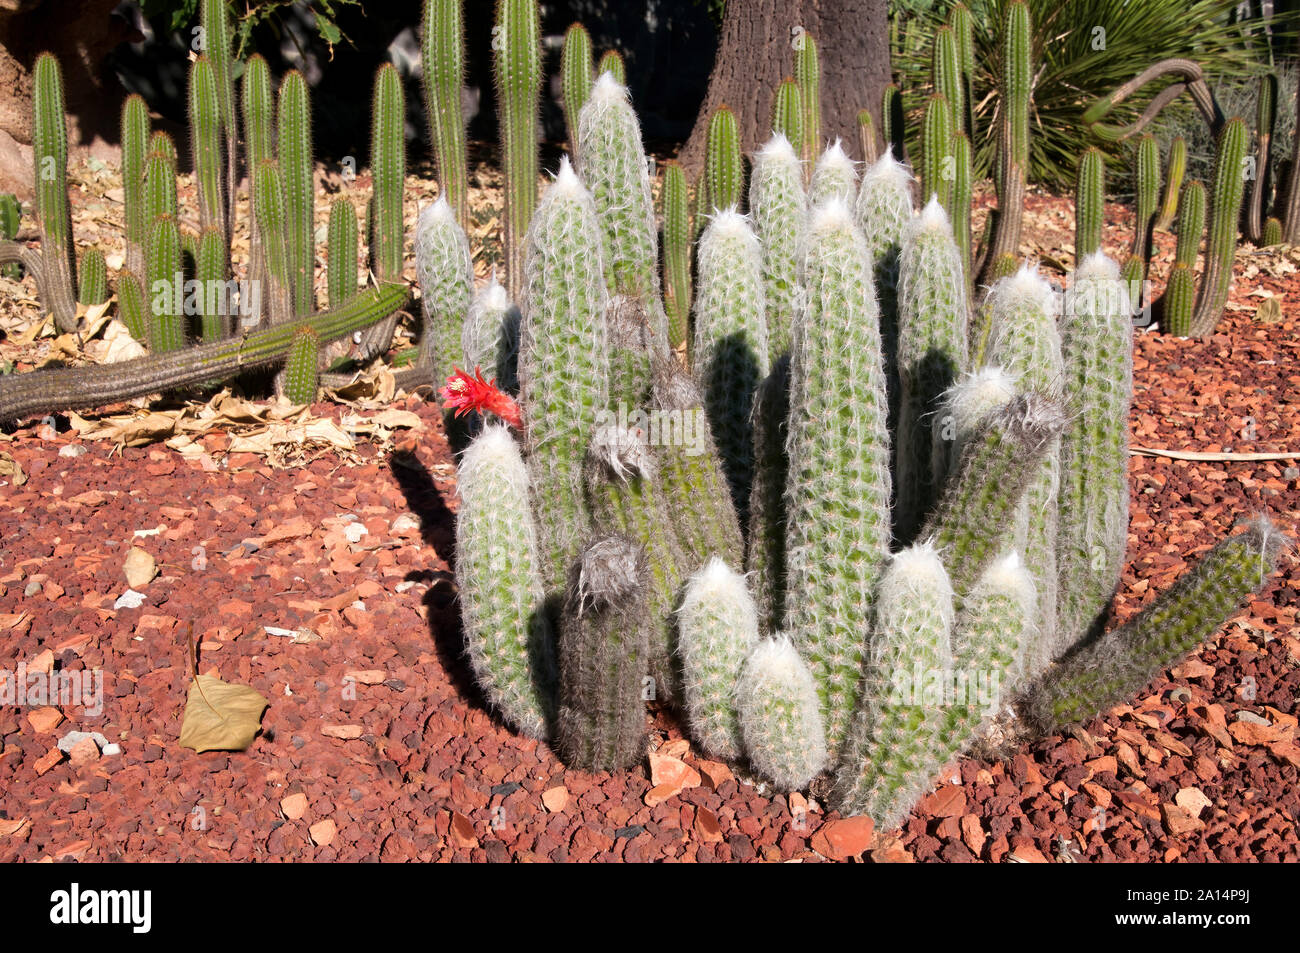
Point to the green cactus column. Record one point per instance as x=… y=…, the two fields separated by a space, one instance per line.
x=1225 y=209
x=892 y=121
x=1120 y=663
x=259 y=132
x=50 y=153
x=295 y=161
x=216 y=316
x=730 y=352
x=889 y=758
x=1179 y=301
x=445 y=270
x=575 y=78
x=563 y=364
x=214 y=17
x=780 y=715
x=1148 y=198
x=163 y=275
x=787 y=115
x=837 y=493
x=867 y=136
x=936 y=153
x=765 y=555
x=723 y=181
x=603 y=643
x=611 y=62
x=206 y=136
x=677 y=253
x=779 y=206
x=508 y=637
x=932 y=352
x=341 y=264
x=388 y=167
x=1013 y=153
x=1089 y=203
x=135 y=141
x=947 y=76
x=1092 y=527
x=268 y=200
x=1175 y=170
x=808 y=74
x=93 y=273
x=442 y=70
x=302 y=370
x=517 y=46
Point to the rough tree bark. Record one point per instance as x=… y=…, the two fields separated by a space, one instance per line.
x=80 y=33
x=755 y=54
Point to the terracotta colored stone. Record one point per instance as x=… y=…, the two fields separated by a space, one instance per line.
x=889 y=849
x=714 y=774
x=842 y=839
x=706 y=826
x=462 y=831
x=47 y=761
x=345 y=732
x=672 y=771
x=556 y=799
x=294 y=806
x=84 y=752
x=323 y=832
x=1177 y=820
x=44 y=720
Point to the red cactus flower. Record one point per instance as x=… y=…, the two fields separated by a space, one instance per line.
x=464 y=393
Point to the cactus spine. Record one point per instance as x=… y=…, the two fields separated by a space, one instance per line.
x=445 y=271
x=507 y=634
x=135 y=140
x=808 y=74
x=611 y=62
x=724 y=173
x=563 y=370
x=780 y=717
x=837 y=495
x=341 y=265
x=730 y=351
x=302 y=370
x=442 y=59
x=1096 y=345
x=787 y=113
x=1089 y=203
x=575 y=78
x=779 y=206
x=936 y=152
x=519 y=83
x=295 y=162
x=603 y=644
x=93 y=273
x=1120 y=663
x=677 y=253
x=50 y=152
x=1229 y=188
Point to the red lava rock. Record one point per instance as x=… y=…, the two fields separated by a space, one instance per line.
x=972 y=833
x=556 y=799
x=462 y=831
x=672 y=772
x=706 y=826
x=323 y=832
x=890 y=850
x=1027 y=853
x=949 y=801
x=842 y=839
x=84 y=752
x=714 y=774
x=367 y=677
x=345 y=732
x=663 y=792
x=1178 y=821
x=294 y=806
x=47 y=761
x=44 y=720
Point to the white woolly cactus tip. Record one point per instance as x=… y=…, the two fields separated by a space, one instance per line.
x=832 y=215
x=915 y=569
x=607 y=89
x=778 y=147
x=567 y=184
x=715 y=581
x=1098 y=265
x=441 y=209
x=932 y=218
x=494 y=449
x=887 y=170
x=493 y=296
x=730 y=224
x=777 y=660
x=1026 y=285
x=1008 y=574
x=980 y=391
x=836 y=156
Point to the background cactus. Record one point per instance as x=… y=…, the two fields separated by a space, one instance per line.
x=135 y=141
x=302 y=370
x=1175 y=170
x=50 y=153
x=807 y=73
x=341 y=263
x=1225 y=209
x=576 y=78
x=519 y=81
x=611 y=62
x=1013 y=153
x=442 y=60
x=1089 y=203
x=677 y=253
x=445 y=271
x=295 y=164
x=93 y=273
x=787 y=113
x=724 y=171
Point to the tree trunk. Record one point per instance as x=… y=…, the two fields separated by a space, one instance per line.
x=755 y=53
x=80 y=33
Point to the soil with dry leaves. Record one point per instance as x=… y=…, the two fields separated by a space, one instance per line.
x=309 y=554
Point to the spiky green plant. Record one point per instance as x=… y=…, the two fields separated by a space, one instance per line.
x=216 y=316
x=93 y=273
x=963 y=29
x=1191 y=223
x=159 y=187
x=838 y=486
x=442 y=60
x=1225 y=210
x=205 y=143
x=780 y=715
x=778 y=205
x=1016 y=94
x=214 y=17
x=1272 y=233
x=1175 y=170
x=867 y=136
x=302 y=370
x=11 y=212
x=765 y=556
x=724 y=171
x=295 y=163
x=677 y=253
x=891 y=121
x=1148 y=197
x=576 y=77
x=787 y=112
x=133 y=306
x=163 y=273
x=611 y=62
x=962 y=194
x=50 y=155
x=135 y=140
x=491 y=336
x=259 y=131
x=341 y=263
x=388 y=165
x=947 y=77
x=808 y=74
x=508 y=635
x=936 y=153
x=272 y=225
x=445 y=270
x=1089 y=203
x=518 y=67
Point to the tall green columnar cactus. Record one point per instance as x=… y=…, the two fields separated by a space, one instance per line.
x=259 y=132
x=214 y=17
x=962 y=193
x=93 y=273
x=867 y=136
x=388 y=164
x=730 y=350
x=627 y=498
x=1191 y=223
x=883 y=209
x=963 y=29
x=269 y=204
x=765 y=556
x=808 y=74
x=135 y=140
x=159 y=187
x=947 y=77
x=1265 y=120
x=889 y=757
x=611 y=62
x=718 y=630
x=603 y=644
x=1179 y=300
x=975 y=518
x=575 y=78
x=163 y=145
x=724 y=171
x=442 y=62
x=614 y=168
x=677 y=253
x=518 y=46
x=834 y=178
x=341 y=263
x=216 y=316
x=1148 y=199
x=50 y=152
x=205 y=142
x=892 y=121
x=780 y=715
x=932 y=351
x=1092 y=524
x=778 y=204
x=491 y=337
x=787 y=113
x=11 y=212
x=133 y=305
x=163 y=274
x=936 y=152
x=1025 y=343
x=1120 y=663
x=1013 y=152
x=695 y=486
x=1175 y=170
x=1271 y=234
x=837 y=492
x=507 y=634
x=302 y=370
x=563 y=369
x=1225 y=209
x=445 y=270
x=1089 y=203
x=295 y=161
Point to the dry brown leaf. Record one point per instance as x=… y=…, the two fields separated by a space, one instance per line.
x=221 y=716
x=9 y=467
